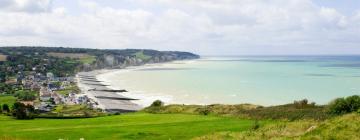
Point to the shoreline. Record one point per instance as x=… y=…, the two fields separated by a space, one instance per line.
x=102 y=96
x=145 y=99
x=110 y=98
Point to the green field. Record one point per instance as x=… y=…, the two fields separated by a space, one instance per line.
x=7 y=99
x=129 y=126
x=88 y=59
x=142 y=56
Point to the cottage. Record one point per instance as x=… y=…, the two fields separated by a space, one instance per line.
x=45 y=94
x=44 y=107
x=50 y=76
x=35 y=87
x=28 y=102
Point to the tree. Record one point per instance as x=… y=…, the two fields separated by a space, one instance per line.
x=6 y=108
x=345 y=105
x=25 y=95
x=22 y=111
x=157 y=103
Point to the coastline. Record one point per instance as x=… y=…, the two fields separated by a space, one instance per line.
x=145 y=98
x=128 y=102
x=101 y=96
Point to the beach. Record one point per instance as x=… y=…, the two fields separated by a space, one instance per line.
x=107 y=99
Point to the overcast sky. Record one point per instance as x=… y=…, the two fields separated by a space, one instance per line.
x=207 y=27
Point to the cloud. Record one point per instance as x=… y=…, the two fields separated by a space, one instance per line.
x=31 y=6
x=206 y=27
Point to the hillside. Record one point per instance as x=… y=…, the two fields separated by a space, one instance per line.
x=343 y=127
x=129 y=126
x=179 y=126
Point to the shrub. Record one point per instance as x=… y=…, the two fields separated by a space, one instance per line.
x=256 y=125
x=345 y=105
x=6 y=108
x=157 y=103
x=204 y=111
x=303 y=103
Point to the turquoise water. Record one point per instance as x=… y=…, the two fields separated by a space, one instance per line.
x=233 y=80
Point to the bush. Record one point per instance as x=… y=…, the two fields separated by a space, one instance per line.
x=345 y=105
x=256 y=125
x=204 y=111
x=6 y=108
x=303 y=104
x=157 y=103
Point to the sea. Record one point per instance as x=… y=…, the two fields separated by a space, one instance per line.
x=260 y=80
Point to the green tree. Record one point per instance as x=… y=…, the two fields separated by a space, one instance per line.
x=6 y=108
x=345 y=105
x=157 y=103
x=22 y=111
x=25 y=95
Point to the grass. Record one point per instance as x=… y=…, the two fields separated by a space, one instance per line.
x=142 y=56
x=129 y=126
x=88 y=60
x=72 y=88
x=7 y=99
x=68 y=55
x=71 y=111
x=342 y=127
x=81 y=57
x=69 y=108
x=64 y=91
x=280 y=112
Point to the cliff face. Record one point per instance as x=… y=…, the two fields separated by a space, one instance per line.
x=125 y=58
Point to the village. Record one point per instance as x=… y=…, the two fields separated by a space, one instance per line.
x=50 y=90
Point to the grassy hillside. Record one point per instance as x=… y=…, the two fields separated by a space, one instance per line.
x=279 y=112
x=343 y=127
x=142 y=56
x=129 y=126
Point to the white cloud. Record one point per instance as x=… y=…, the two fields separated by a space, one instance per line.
x=31 y=6
x=207 y=27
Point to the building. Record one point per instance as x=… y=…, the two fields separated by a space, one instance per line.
x=45 y=94
x=50 y=76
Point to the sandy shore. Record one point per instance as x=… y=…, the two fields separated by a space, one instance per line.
x=101 y=95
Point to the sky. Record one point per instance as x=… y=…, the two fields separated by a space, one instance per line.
x=205 y=27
